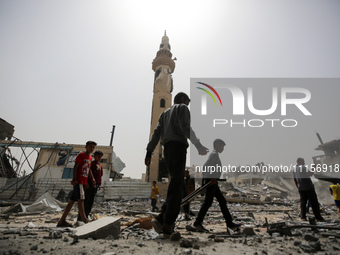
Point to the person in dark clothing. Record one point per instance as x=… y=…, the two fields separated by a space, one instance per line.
x=213 y=190
x=173 y=129
x=61 y=195
x=31 y=191
x=306 y=189
x=92 y=188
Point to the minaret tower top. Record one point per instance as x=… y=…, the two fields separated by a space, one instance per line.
x=164 y=55
x=165 y=43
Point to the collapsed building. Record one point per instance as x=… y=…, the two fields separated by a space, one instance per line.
x=328 y=163
x=48 y=167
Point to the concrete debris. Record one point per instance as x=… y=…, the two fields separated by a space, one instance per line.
x=248 y=231
x=15 y=209
x=268 y=212
x=153 y=234
x=99 y=229
x=175 y=236
x=46 y=203
x=309 y=237
x=186 y=243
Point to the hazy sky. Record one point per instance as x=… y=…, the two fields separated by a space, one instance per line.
x=69 y=70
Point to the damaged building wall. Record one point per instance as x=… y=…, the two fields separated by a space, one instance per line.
x=56 y=175
x=127 y=189
x=53 y=169
x=6 y=130
x=60 y=161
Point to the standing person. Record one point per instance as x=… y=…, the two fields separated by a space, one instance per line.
x=213 y=190
x=173 y=129
x=154 y=196
x=31 y=191
x=61 y=195
x=189 y=186
x=92 y=188
x=306 y=189
x=81 y=171
x=335 y=191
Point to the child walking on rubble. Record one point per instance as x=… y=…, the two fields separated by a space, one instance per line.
x=213 y=190
x=81 y=171
x=154 y=196
x=92 y=188
x=335 y=191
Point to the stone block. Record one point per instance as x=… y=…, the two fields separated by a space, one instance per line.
x=99 y=229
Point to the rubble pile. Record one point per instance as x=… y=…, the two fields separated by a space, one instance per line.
x=268 y=211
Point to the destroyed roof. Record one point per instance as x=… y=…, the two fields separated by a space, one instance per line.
x=334 y=145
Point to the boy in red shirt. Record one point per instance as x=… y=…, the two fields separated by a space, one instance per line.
x=92 y=188
x=81 y=171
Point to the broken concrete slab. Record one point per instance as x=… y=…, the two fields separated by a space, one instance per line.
x=274 y=186
x=46 y=203
x=15 y=209
x=283 y=181
x=99 y=229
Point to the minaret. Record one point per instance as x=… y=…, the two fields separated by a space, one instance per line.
x=163 y=66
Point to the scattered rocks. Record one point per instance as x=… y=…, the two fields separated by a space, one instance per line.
x=297 y=242
x=196 y=246
x=315 y=245
x=309 y=237
x=140 y=244
x=248 y=232
x=306 y=248
x=275 y=234
x=218 y=240
x=54 y=235
x=34 y=247
x=187 y=251
x=185 y=243
x=175 y=236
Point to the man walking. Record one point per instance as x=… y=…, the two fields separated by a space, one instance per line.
x=173 y=129
x=306 y=189
x=213 y=190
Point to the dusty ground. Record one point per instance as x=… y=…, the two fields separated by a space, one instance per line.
x=24 y=233
x=32 y=234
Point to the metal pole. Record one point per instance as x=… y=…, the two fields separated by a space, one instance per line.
x=319 y=137
x=112 y=133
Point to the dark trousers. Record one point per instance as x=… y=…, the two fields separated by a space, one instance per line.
x=186 y=207
x=90 y=193
x=313 y=199
x=153 y=204
x=211 y=192
x=175 y=158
